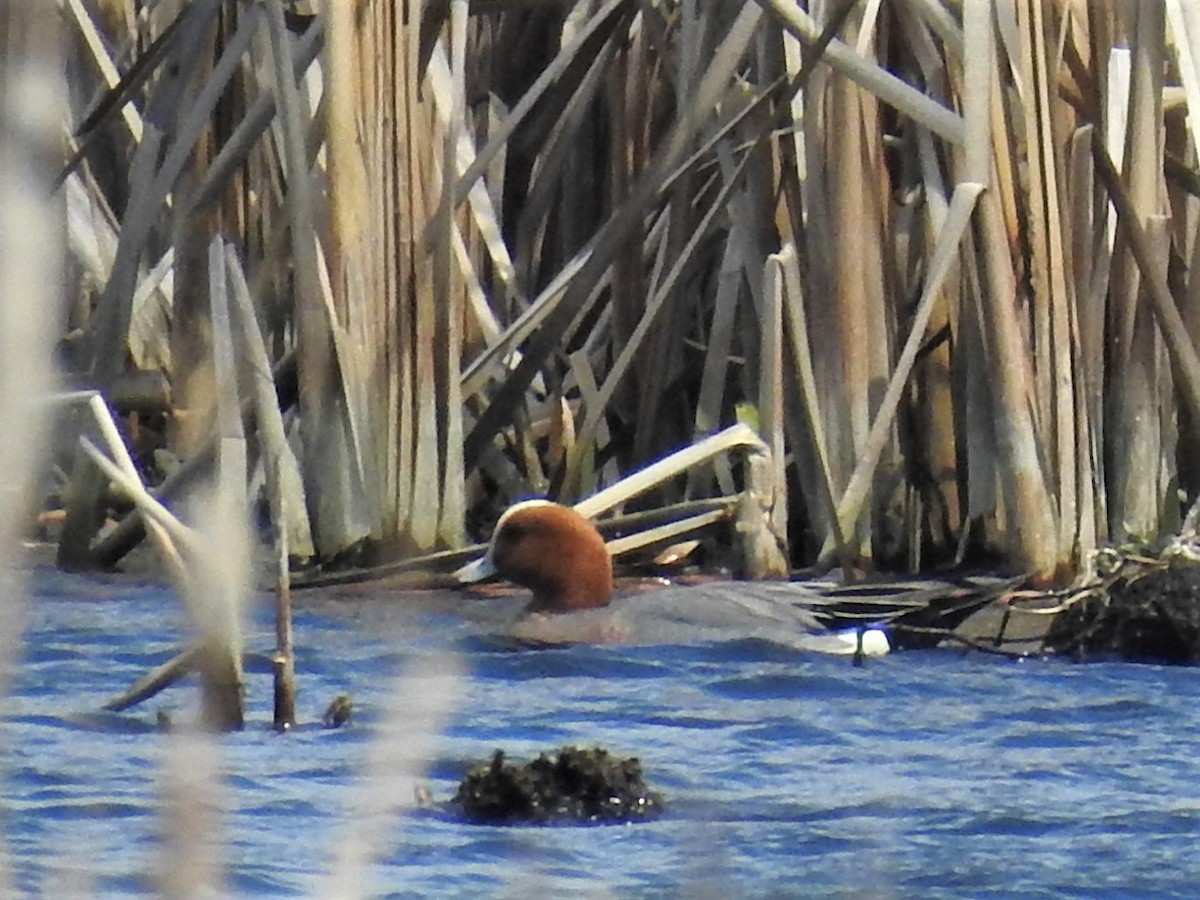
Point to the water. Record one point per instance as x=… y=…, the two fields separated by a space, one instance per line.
x=919 y=775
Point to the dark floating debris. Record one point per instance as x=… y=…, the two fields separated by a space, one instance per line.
x=1150 y=613
x=339 y=711
x=576 y=785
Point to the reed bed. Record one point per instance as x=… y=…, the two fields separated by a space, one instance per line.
x=938 y=254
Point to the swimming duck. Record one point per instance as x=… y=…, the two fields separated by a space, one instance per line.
x=552 y=550
x=559 y=555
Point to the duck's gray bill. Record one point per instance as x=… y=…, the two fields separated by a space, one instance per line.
x=476 y=571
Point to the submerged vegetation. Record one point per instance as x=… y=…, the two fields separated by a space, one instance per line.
x=576 y=785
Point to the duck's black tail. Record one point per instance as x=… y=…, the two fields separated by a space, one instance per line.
x=917 y=614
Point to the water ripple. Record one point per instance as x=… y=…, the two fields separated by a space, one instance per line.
x=920 y=775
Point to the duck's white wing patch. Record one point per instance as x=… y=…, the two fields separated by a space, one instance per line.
x=846 y=642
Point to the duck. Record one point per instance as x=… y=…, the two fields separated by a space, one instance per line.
x=562 y=559
x=552 y=550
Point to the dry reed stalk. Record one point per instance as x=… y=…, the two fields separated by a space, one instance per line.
x=876 y=80
x=212 y=584
x=406 y=304
x=1027 y=503
x=484 y=209
x=156 y=680
x=1136 y=450
x=655 y=370
x=602 y=20
x=424 y=184
x=631 y=99
x=860 y=312
x=1053 y=298
x=736 y=437
x=86 y=26
x=1025 y=487
x=449 y=290
x=238 y=149
x=385 y=244
x=123 y=463
x=189 y=145
x=221 y=646
x=669 y=532
x=1184 y=19
x=770 y=416
x=285 y=487
x=591 y=473
x=807 y=437
x=331 y=464
x=146 y=502
x=934 y=443
x=116 y=446
x=543 y=237
x=1088 y=251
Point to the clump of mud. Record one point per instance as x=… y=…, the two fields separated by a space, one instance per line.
x=574 y=785
x=1152 y=615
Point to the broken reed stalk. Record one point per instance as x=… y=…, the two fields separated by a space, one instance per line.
x=136 y=491
x=284 y=489
x=638 y=335
x=736 y=437
x=283 y=663
x=102 y=417
x=761 y=553
x=669 y=531
x=157 y=679
x=1184 y=360
x=878 y=81
x=129 y=531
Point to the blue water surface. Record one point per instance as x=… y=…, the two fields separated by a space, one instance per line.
x=923 y=774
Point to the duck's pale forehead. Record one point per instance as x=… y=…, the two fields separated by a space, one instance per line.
x=518 y=508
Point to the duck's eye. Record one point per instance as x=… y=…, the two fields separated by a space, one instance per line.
x=512 y=532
